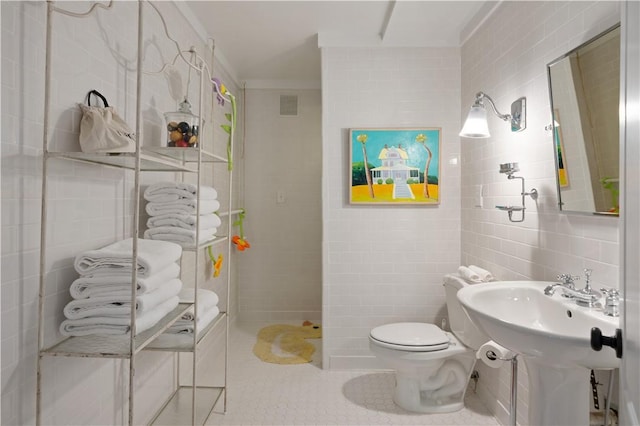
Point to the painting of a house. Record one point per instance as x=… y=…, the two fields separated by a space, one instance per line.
x=395 y=166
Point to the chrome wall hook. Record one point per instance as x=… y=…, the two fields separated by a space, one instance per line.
x=509 y=169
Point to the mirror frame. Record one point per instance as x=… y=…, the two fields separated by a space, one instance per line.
x=552 y=127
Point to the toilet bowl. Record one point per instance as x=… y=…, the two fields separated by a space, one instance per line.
x=432 y=366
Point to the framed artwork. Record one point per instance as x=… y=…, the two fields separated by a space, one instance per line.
x=395 y=166
x=563 y=176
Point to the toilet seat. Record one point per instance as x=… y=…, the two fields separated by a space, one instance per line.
x=410 y=336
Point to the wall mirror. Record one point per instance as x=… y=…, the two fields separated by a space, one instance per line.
x=584 y=86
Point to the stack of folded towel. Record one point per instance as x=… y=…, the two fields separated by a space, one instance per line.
x=207 y=311
x=173 y=207
x=475 y=274
x=102 y=295
x=182 y=331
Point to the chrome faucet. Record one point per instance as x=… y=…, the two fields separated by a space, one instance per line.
x=566 y=282
x=550 y=289
x=585 y=296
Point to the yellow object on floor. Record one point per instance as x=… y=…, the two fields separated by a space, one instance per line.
x=289 y=343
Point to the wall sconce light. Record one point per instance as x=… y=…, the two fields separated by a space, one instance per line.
x=509 y=169
x=476 y=124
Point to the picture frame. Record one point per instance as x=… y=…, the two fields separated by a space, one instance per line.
x=395 y=166
x=563 y=173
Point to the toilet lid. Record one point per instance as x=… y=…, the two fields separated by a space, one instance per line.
x=412 y=336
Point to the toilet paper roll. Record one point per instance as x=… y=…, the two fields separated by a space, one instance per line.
x=494 y=355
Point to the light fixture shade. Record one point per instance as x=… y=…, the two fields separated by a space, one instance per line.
x=476 y=125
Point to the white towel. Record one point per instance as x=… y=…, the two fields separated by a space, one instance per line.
x=120 y=285
x=187 y=327
x=186 y=221
x=116 y=258
x=184 y=237
x=469 y=275
x=182 y=337
x=102 y=306
x=456 y=280
x=117 y=324
x=182 y=206
x=484 y=275
x=207 y=299
x=163 y=192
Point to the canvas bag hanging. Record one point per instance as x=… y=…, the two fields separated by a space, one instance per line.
x=102 y=129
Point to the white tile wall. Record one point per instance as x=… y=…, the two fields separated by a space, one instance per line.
x=280 y=275
x=384 y=264
x=88 y=206
x=507 y=58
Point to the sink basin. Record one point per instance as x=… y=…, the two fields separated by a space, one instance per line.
x=519 y=316
x=552 y=335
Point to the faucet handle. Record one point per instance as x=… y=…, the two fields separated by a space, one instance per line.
x=613 y=293
x=567 y=279
x=587 y=274
x=612 y=302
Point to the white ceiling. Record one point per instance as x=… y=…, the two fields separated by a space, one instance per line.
x=278 y=40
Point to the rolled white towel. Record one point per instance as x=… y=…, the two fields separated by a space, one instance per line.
x=116 y=258
x=484 y=275
x=163 y=192
x=117 y=324
x=184 y=237
x=469 y=275
x=182 y=206
x=120 y=285
x=102 y=306
x=186 y=221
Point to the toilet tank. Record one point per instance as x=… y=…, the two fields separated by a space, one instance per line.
x=461 y=325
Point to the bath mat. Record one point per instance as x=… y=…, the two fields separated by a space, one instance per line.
x=288 y=341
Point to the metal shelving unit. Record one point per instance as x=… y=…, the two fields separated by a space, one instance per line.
x=126 y=160
x=187 y=155
x=200 y=400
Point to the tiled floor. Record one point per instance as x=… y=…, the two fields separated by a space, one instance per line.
x=270 y=394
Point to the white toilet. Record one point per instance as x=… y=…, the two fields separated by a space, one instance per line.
x=432 y=366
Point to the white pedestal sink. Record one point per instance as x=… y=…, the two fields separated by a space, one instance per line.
x=552 y=334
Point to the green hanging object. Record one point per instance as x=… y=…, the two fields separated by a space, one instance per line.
x=231 y=118
x=240 y=222
x=234 y=114
x=239 y=240
x=216 y=263
x=612 y=186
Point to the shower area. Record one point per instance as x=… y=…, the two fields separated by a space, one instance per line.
x=279 y=185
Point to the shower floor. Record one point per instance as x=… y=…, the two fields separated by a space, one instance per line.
x=260 y=393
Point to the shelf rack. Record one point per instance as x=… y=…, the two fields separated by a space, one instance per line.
x=200 y=399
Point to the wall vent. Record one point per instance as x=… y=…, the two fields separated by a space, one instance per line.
x=288 y=105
